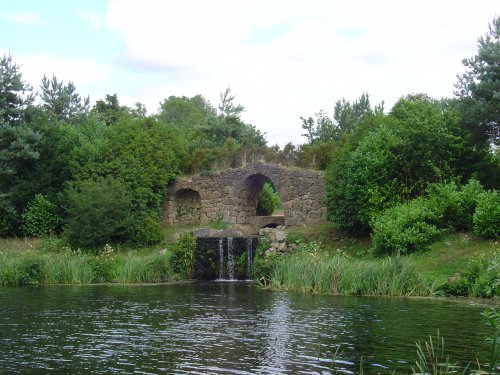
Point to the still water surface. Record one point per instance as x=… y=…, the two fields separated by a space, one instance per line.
x=221 y=328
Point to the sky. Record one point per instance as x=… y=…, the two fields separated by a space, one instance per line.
x=281 y=59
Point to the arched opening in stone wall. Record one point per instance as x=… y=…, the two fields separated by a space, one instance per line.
x=187 y=206
x=252 y=195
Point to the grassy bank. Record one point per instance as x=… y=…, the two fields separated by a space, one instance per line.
x=318 y=272
x=34 y=262
x=459 y=264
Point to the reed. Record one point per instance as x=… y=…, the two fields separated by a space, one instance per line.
x=316 y=272
x=142 y=268
x=68 y=267
x=34 y=262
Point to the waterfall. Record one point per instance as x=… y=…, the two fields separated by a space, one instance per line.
x=221 y=259
x=249 y=257
x=230 y=258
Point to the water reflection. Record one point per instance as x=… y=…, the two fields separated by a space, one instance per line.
x=276 y=325
x=219 y=328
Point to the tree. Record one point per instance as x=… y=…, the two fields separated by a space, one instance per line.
x=109 y=110
x=62 y=101
x=98 y=212
x=479 y=88
x=185 y=114
x=226 y=106
x=18 y=141
x=308 y=126
x=346 y=117
x=15 y=94
x=417 y=144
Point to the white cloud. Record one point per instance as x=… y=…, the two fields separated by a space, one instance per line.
x=284 y=59
x=22 y=18
x=92 y=19
x=84 y=73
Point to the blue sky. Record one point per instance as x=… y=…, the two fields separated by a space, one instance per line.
x=282 y=59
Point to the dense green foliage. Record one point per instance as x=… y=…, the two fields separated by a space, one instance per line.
x=413 y=226
x=424 y=168
x=98 y=212
x=486 y=219
x=268 y=201
x=405 y=228
x=417 y=144
x=478 y=88
x=388 y=160
x=182 y=258
x=480 y=278
x=40 y=217
x=454 y=203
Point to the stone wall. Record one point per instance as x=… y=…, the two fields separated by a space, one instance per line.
x=231 y=195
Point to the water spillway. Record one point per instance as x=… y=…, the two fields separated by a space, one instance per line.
x=224 y=258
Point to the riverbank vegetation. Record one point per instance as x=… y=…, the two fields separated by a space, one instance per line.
x=418 y=183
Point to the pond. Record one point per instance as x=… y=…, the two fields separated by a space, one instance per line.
x=221 y=328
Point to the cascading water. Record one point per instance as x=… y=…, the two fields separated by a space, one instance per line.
x=221 y=259
x=224 y=257
x=230 y=258
x=249 y=257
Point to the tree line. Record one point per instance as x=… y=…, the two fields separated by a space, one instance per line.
x=99 y=174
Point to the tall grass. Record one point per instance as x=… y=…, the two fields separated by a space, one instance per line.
x=68 y=268
x=48 y=262
x=139 y=268
x=316 y=272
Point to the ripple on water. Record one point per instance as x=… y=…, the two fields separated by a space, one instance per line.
x=220 y=328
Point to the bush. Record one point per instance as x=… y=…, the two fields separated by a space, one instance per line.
x=40 y=217
x=404 y=228
x=182 y=259
x=266 y=202
x=486 y=219
x=481 y=278
x=264 y=263
x=454 y=204
x=8 y=218
x=145 y=230
x=468 y=197
x=98 y=212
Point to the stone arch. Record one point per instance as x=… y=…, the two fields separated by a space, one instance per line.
x=186 y=206
x=231 y=195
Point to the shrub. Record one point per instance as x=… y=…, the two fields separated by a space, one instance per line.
x=264 y=262
x=404 y=228
x=145 y=230
x=98 y=212
x=486 y=219
x=8 y=218
x=40 y=217
x=266 y=202
x=455 y=204
x=468 y=197
x=481 y=278
x=182 y=259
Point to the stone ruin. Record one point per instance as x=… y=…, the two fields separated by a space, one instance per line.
x=231 y=196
